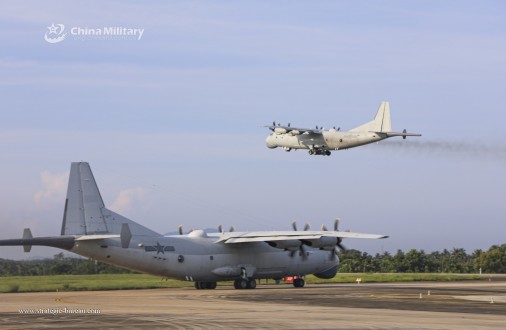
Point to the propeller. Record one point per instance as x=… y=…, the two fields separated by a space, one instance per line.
x=288 y=124
x=339 y=240
x=220 y=229
x=301 y=247
x=180 y=230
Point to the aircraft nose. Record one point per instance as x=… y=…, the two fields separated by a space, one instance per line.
x=269 y=142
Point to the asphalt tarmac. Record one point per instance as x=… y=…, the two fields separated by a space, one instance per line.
x=452 y=305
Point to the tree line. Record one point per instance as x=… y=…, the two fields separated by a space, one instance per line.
x=417 y=261
x=352 y=261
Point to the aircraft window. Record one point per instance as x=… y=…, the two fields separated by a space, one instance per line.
x=211 y=258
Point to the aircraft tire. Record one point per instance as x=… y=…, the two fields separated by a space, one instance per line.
x=205 y=285
x=252 y=284
x=299 y=283
x=240 y=284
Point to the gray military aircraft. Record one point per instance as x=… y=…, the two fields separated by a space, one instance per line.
x=91 y=230
x=320 y=141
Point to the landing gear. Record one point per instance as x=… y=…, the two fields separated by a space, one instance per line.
x=205 y=285
x=319 y=152
x=240 y=284
x=245 y=284
x=299 y=283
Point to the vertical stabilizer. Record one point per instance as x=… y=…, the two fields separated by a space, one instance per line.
x=83 y=206
x=86 y=214
x=381 y=122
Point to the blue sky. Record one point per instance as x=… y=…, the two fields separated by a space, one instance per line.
x=172 y=123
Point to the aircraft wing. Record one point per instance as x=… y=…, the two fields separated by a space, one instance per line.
x=269 y=236
x=295 y=130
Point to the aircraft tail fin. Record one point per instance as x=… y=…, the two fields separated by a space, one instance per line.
x=85 y=212
x=381 y=122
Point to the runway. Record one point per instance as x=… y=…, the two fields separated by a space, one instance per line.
x=455 y=305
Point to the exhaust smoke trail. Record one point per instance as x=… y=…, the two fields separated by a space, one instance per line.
x=467 y=149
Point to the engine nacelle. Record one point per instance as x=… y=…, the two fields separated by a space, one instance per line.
x=280 y=130
x=327 y=243
x=295 y=132
x=290 y=245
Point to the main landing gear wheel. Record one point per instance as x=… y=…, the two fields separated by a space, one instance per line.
x=240 y=284
x=252 y=284
x=299 y=283
x=245 y=284
x=205 y=285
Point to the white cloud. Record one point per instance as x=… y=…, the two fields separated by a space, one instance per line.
x=127 y=199
x=53 y=187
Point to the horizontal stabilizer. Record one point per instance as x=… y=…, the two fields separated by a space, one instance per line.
x=403 y=134
x=61 y=242
x=27 y=234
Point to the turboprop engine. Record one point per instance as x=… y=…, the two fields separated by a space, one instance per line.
x=280 y=130
x=323 y=243
x=289 y=245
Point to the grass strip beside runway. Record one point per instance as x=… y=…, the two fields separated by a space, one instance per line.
x=142 y=281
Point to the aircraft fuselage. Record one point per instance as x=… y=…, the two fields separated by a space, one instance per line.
x=328 y=140
x=201 y=259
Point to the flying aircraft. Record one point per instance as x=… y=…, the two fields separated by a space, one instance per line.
x=91 y=230
x=320 y=141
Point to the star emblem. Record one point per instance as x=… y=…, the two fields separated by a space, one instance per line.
x=52 y=28
x=159 y=248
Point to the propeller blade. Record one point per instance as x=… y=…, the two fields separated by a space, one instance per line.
x=340 y=245
x=307 y=226
x=273 y=123
x=336 y=224
x=324 y=228
x=288 y=124
x=220 y=229
x=232 y=229
x=180 y=229
x=294 y=225
x=303 y=252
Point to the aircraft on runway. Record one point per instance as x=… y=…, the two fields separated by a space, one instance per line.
x=91 y=230
x=320 y=141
